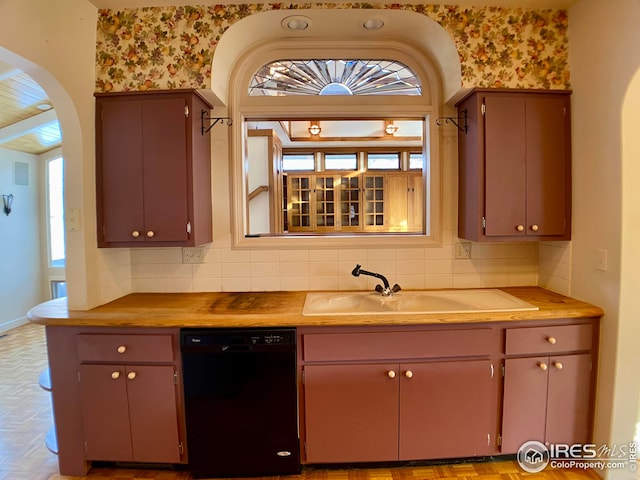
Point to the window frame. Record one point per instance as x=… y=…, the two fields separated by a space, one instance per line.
x=427 y=107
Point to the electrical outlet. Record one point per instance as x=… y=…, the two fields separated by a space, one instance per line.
x=463 y=250
x=193 y=255
x=601 y=261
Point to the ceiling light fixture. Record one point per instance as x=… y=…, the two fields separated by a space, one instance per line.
x=314 y=127
x=296 y=23
x=44 y=107
x=373 y=24
x=390 y=128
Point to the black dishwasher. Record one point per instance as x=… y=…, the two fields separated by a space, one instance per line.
x=240 y=401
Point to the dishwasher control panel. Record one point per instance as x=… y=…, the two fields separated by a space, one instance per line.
x=236 y=338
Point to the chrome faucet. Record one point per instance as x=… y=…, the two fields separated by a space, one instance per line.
x=387 y=291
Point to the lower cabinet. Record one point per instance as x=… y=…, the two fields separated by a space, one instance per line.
x=402 y=410
x=548 y=379
x=129 y=412
x=546 y=399
x=117 y=397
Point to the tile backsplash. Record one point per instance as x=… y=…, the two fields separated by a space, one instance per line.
x=491 y=265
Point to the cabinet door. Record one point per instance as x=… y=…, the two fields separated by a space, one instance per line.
x=525 y=402
x=351 y=413
x=105 y=412
x=153 y=413
x=119 y=187
x=548 y=174
x=568 y=399
x=445 y=409
x=505 y=165
x=164 y=133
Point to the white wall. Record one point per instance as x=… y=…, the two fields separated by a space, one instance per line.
x=20 y=257
x=604 y=57
x=54 y=43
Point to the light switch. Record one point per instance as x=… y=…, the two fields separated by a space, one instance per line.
x=601 y=262
x=73 y=219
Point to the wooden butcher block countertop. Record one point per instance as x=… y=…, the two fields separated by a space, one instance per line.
x=277 y=309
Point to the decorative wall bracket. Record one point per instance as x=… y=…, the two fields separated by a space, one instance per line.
x=204 y=116
x=460 y=122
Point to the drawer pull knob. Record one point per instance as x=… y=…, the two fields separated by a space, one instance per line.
x=558 y=365
x=122 y=349
x=131 y=375
x=408 y=374
x=391 y=374
x=542 y=366
x=535 y=228
x=552 y=340
x=115 y=375
x=150 y=234
x=520 y=228
x=135 y=234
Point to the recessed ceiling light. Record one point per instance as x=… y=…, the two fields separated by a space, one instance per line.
x=44 y=106
x=296 y=23
x=373 y=24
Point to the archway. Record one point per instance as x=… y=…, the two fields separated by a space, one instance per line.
x=628 y=361
x=407 y=27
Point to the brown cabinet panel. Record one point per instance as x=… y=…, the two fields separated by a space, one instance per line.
x=505 y=165
x=397 y=345
x=551 y=339
x=153 y=169
x=568 y=399
x=351 y=413
x=514 y=166
x=105 y=412
x=525 y=402
x=130 y=413
x=95 y=347
x=546 y=399
x=445 y=409
x=120 y=186
x=152 y=413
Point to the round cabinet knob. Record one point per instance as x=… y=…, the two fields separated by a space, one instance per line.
x=135 y=234
x=520 y=228
x=131 y=375
x=534 y=228
x=408 y=374
x=552 y=340
x=122 y=349
x=558 y=365
x=391 y=374
x=542 y=366
x=151 y=234
x=115 y=375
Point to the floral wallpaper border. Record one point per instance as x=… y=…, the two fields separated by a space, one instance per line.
x=155 y=48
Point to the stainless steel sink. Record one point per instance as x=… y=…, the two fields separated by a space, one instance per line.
x=413 y=302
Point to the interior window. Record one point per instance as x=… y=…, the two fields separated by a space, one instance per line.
x=55 y=211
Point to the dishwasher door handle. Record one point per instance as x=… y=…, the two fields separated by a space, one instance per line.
x=236 y=348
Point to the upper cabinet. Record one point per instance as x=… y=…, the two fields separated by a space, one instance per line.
x=153 y=169
x=514 y=166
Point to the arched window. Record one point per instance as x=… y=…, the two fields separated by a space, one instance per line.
x=334 y=77
x=335 y=146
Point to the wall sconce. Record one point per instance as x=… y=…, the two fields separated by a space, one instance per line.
x=8 y=201
x=390 y=128
x=314 y=128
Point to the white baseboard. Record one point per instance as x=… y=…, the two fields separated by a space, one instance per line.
x=10 y=324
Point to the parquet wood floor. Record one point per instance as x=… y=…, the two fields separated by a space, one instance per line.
x=25 y=417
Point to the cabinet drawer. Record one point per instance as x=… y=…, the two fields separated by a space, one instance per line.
x=536 y=340
x=124 y=348
x=397 y=345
